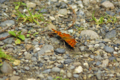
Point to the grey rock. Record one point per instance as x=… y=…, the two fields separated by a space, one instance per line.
x=72 y=67
x=110 y=13
x=105 y=63
x=9 y=46
x=4 y=34
x=47 y=71
x=14 y=78
x=2 y=1
x=1 y=43
x=8 y=40
x=60 y=50
x=6 y=68
x=90 y=33
x=30 y=4
x=55 y=69
x=108 y=49
x=112 y=58
x=98 y=63
x=92 y=56
x=26 y=68
x=118 y=11
x=111 y=34
x=34 y=59
x=49 y=78
x=82 y=48
x=67 y=61
x=44 y=11
x=99 y=75
x=63 y=11
x=45 y=48
x=10 y=22
x=28 y=56
x=108 y=4
x=98 y=57
x=75 y=75
x=102 y=45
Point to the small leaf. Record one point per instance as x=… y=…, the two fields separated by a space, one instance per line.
x=12 y=33
x=16 y=7
x=28 y=35
x=23 y=4
x=19 y=32
x=18 y=41
x=22 y=37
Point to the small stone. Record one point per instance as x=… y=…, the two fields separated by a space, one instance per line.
x=60 y=50
x=108 y=4
x=111 y=34
x=28 y=56
x=55 y=69
x=90 y=33
x=112 y=58
x=28 y=47
x=40 y=76
x=34 y=59
x=99 y=75
x=63 y=11
x=31 y=5
x=75 y=75
x=49 y=78
x=82 y=48
x=52 y=18
x=14 y=78
x=105 y=63
x=10 y=22
x=67 y=61
x=86 y=64
x=96 y=46
x=6 y=68
x=69 y=75
x=108 y=49
x=47 y=71
x=16 y=62
x=98 y=63
x=27 y=68
x=79 y=69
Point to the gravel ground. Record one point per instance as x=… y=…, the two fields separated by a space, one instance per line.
x=45 y=57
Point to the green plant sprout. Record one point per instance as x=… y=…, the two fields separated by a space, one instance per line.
x=18 y=36
x=4 y=56
x=101 y=20
x=18 y=4
x=30 y=33
x=59 y=78
x=30 y=16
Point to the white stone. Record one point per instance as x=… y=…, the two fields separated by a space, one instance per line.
x=79 y=69
x=90 y=33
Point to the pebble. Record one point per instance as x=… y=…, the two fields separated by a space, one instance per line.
x=60 y=50
x=31 y=5
x=27 y=68
x=79 y=69
x=55 y=69
x=67 y=61
x=108 y=49
x=10 y=22
x=108 y=4
x=6 y=68
x=90 y=33
x=75 y=75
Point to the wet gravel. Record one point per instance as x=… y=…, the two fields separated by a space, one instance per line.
x=42 y=57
